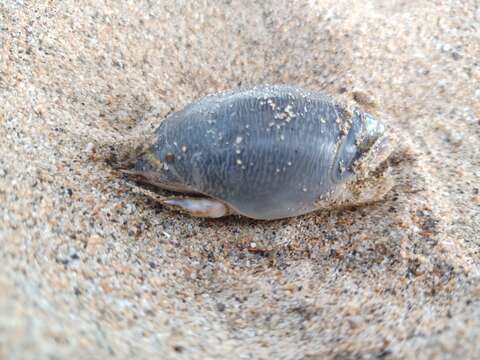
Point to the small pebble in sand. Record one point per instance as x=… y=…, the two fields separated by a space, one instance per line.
x=89 y=148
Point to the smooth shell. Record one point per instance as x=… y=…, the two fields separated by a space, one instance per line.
x=267 y=152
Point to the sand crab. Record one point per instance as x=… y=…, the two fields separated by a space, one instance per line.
x=267 y=152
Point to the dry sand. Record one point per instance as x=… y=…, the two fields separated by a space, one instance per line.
x=92 y=267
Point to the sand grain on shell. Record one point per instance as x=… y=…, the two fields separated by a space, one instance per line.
x=93 y=267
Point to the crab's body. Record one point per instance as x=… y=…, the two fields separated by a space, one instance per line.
x=266 y=153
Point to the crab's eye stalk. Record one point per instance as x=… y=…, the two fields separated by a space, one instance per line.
x=142 y=166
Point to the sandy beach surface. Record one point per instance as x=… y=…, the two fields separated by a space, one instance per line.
x=92 y=267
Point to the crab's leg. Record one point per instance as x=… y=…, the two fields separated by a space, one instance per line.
x=199 y=207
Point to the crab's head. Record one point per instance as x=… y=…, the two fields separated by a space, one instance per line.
x=146 y=167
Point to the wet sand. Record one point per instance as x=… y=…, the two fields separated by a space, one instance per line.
x=93 y=267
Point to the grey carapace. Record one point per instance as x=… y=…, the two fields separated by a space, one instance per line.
x=266 y=152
